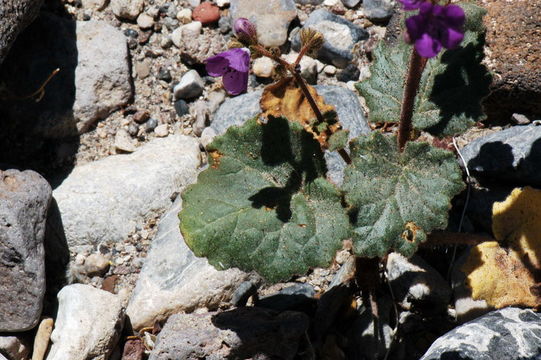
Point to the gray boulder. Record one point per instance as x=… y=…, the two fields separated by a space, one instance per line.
x=248 y=332
x=509 y=334
x=105 y=200
x=25 y=198
x=174 y=280
x=340 y=37
x=15 y=15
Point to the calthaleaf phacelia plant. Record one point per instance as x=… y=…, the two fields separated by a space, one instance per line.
x=265 y=203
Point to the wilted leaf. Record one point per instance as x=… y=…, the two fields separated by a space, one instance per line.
x=505 y=275
x=285 y=99
x=451 y=88
x=398 y=198
x=499 y=276
x=264 y=204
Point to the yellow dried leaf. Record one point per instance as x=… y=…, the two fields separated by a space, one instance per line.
x=499 y=277
x=285 y=99
x=506 y=276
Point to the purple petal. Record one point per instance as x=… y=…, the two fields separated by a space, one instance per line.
x=243 y=26
x=416 y=26
x=451 y=38
x=217 y=65
x=235 y=82
x=427 y=47
x=454 y=16
x=411 y=4
x=426 y=9
x=239 y=59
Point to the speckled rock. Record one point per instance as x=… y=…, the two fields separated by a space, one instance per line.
x=271 y=17
x=509 y=334
x=127 y=9
x=206 y=13
x=378 y=10
x=248 y=332
x=16 y=347
x=25 y=198
x=340 y=36
x=174 y=280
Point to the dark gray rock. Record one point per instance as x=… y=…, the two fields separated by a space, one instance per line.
x=310 y=2
x=350 y=3
x=340 y=36
x=25 y=198
x=235 y=111
x=349 y=73
x=15 y=15
x=248 y=332
x=378 y=10
x=181 y=107
x=509 y=334
x=298 y=297
x=174 y=280
x=512 y=155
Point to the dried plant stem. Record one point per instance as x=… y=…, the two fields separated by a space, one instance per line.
x=40 y=92
x=293 y=70
x=416 y=66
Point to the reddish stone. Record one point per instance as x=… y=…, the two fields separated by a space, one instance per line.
x=206 y=13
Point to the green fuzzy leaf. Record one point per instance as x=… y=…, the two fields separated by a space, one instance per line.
x=451 y=88
x=264 y=203
x=398 y=198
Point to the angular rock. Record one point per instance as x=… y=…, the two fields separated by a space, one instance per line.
x=351 y=3
x=197 y=45
x=235 y=111
x=15 y=347
x=174 y=280
x=378 y=10
x=248 y=332
x=88 y=324
x=515 y=56
x=24 y=200
x=509 y=333
x=340 y=36
x=190 y=86
x=15 y=15
x=206 y=13
x=108 y=198
x=42 y=338
x=94 y=77
x=271 y=17
x=512 y=155
x=417 y=284
x=127 y=9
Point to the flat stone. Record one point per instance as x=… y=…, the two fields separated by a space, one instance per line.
x=197 y=43
x=124 y=142
x=174 y=280
x=236 y=110
x=25 y=198
x=509 y=333
x=127 y=9
x=145 y=21
x=15 y=15
x=514 y=57
x=340 y=37
x=351 y=3
x=88 y=324
x=263 y=67
x=206 y=13
x=512 y=155
x=271 y=17
x=247 y=331
x=108 y=198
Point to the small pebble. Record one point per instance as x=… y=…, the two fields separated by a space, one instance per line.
x=141 y=116
x=206 y=13
x=329 y=69
x=145 y=21
x=222 y=3
x=194 y=3
x=142 y=69
x=96 y=265
x=181 y=107
x=190 y=86
x=161 y=130
x=133 y=129
x=131 y=33
x=263 y=67
x=349 y=73
x=184 y=16
x=165 y=75
x=151 y=124
x=166 y=42
x=224 y=24
x=123 y=142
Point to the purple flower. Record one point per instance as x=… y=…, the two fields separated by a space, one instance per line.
x=233 y=65
x=245 y=30
x=436 y=26
x=411 y=4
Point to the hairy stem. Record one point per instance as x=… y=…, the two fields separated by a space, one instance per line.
x=416 y=66
x=293 y=70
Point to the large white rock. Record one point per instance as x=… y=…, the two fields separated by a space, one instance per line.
x=88 y=324
x=106 y=199
x=102 y=76
x=174 y=280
